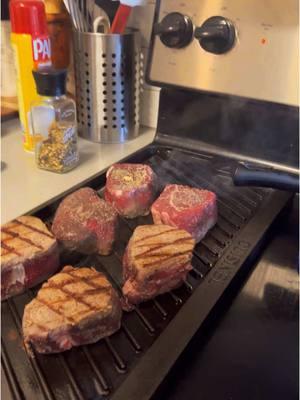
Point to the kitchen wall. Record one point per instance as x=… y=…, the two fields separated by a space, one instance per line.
x=141 y=18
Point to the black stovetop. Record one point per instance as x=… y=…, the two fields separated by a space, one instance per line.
x=251 y=352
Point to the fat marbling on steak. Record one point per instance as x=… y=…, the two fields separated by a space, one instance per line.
x=185 y=207
x=29 y=255
x=85 y=223
x=157 y=259
x=131 y=189
x=76 y=306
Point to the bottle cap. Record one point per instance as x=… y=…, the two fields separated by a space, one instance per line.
x=28 y=16
x=50 y=81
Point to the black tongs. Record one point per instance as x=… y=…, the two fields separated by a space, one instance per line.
x=247 y=174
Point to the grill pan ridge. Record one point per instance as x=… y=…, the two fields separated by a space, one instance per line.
x=131 y=363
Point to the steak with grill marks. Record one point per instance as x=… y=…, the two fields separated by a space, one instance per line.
x=74 y=307
x=131 y=189
x=157 y=259
x=85 y=223
x=192 y=209
x=29 y=255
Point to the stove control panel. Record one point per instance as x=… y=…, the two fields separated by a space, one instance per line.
x=175 y=30
x=216 y=35
x=243 y=48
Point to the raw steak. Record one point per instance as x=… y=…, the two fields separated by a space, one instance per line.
x=74 y=307
x=29 y=255
x=156 y=260
x=85 y=223
x=131 y=189
x=192 y=209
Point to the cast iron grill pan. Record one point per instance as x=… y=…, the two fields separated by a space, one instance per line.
x=131 y=363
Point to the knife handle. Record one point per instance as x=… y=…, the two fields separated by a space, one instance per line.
x=120 y=21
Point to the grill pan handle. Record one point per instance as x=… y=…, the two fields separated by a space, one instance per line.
x=246 y=175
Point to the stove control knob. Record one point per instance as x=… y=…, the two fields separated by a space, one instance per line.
x=216 y=35
x=175 y=30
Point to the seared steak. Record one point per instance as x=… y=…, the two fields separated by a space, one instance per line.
x=85 y=223
x=29 y=255
x=74 y=307
x=156 y=260
x=192 y=209
x=131 y=189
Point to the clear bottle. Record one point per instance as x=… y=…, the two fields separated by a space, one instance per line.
x=54 y=125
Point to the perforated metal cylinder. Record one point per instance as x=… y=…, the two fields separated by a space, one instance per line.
x=108 y=74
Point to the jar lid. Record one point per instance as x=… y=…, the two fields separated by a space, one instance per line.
x=28 y=16
x=50 y=81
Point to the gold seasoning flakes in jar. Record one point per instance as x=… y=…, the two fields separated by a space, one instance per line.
x=59 y=152
x=54 y=123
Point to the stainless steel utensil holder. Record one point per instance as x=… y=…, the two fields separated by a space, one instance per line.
x=108 y=74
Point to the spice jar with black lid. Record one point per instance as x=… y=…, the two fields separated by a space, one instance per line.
x=54 y=124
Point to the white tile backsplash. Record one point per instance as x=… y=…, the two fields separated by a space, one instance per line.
x=141 y=18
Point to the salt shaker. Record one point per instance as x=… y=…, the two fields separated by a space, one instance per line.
x=54 y=125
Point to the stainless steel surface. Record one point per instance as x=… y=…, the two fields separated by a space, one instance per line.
x=108 y=73
x=263 y=64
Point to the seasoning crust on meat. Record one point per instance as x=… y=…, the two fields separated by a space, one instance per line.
x=131 y=189
x=85 y=223
x=185 y=207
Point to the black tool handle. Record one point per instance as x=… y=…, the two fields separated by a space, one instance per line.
x=271 y=178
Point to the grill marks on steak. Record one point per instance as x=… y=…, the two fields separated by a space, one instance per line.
x=192 y=209
x=29 y=254
x=85 y=223
x=156 y=260
x=131 y=189
x=75 y=307
x=21 y=232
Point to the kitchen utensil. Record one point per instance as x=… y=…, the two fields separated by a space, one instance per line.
x=120 y=21
x=96 y=13
x=101 y=24
x=107 y=74
x=86 y=13
x=122 y=15
x=252 y=175
x=78 y=19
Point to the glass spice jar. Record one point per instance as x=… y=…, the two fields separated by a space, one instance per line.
x=54 y=124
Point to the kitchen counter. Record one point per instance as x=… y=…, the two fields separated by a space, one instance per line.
x=25 y=188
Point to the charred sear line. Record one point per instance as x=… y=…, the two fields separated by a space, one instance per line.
x=49 y=305
x=9 y=249
x=166 y=258
x=88 y=281
x=152 y=236
x=78 y=297
x=18 y=236
x=163 y=246
x=33 y=228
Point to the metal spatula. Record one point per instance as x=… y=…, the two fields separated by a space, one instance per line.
x=78 y=19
